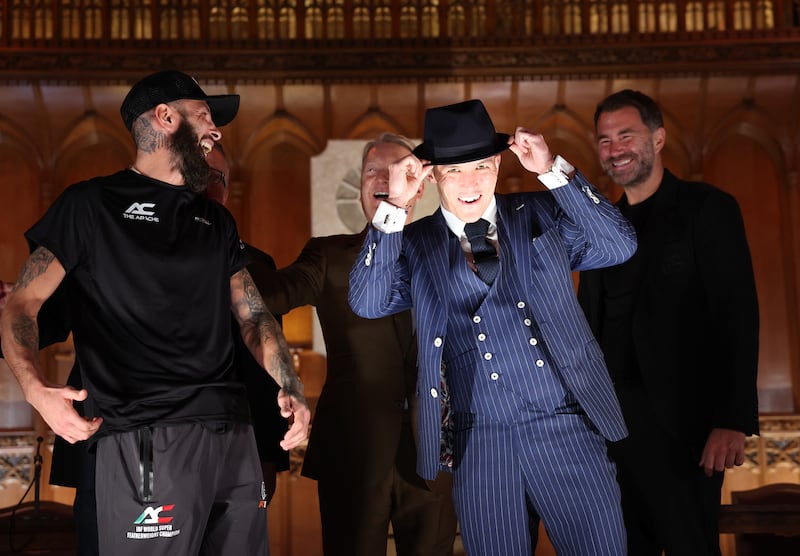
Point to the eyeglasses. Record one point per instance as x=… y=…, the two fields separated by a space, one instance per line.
x=216 y=177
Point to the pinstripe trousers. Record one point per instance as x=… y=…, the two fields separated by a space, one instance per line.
x=523 y=446
x=553 y=464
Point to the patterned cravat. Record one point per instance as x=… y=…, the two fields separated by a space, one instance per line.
x=487 y=263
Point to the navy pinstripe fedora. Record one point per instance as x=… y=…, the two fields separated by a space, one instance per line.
x=457 y=133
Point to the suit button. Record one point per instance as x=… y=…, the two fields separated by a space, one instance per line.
x=487 y=356
x=533 y=341
x=481 y=337
x=520 y=304
x=476 y=319
x=527 y=322
x=437 y=342
x=494 y=376
x=434 y=393
x=539 y=363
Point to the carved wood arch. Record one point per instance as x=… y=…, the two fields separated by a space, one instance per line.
x=92 y=146
x=750 y=121
x=273 y=197
x=372 y=123
x=281 y=127
x=568 y=135
x=13 y=136
x=20 y=190
x=677 y=153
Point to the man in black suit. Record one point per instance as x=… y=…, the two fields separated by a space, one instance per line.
x=678 y=324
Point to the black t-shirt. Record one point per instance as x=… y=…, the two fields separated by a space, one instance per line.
x=150 y=265
x=621 y=284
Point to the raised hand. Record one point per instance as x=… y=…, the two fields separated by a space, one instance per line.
x=531 y=150
x=406 y=177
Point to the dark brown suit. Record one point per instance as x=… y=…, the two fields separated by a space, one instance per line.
x=361 y=449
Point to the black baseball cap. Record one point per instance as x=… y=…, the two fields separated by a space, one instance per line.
x=170 y=85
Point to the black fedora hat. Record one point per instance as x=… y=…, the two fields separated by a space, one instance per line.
x=457 y=133
x=166 y=86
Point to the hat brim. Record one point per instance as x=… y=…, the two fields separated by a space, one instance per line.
x=424 y=152
x=223 y=108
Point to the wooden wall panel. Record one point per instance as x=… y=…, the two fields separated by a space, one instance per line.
x=278 y=220
x=20 y=197
x=62 y=133
x=741 y=167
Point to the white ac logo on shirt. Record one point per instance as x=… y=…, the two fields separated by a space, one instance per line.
x=141 y=211
x=141 y=208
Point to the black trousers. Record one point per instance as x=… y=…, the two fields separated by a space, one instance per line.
x=356 y=516
x=181 y=489
x=668 y=503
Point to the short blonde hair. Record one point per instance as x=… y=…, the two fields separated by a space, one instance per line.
x=386 y=137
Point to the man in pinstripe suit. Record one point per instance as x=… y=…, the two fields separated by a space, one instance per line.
x=530 y=396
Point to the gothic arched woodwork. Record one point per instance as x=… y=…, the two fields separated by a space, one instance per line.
x=21 y=201
x=278 y=204
x=717 y=83
x=372 y=123
x=93 y=147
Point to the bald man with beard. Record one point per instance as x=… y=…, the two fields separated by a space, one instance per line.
x=156 y=271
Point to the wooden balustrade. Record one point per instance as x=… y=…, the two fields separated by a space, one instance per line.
x=291 y=41
x=117 y=22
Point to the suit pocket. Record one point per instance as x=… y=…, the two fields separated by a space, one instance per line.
x=541 y=238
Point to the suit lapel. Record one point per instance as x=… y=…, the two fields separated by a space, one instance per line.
x=512 y=237
x=434 y=241
x=354 y=241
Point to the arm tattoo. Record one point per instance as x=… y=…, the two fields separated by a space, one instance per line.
x=252 y=296
x=35 y=266
x=26 y=332
x=281 y=365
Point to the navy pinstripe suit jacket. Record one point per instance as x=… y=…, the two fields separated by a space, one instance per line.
x=548 y=234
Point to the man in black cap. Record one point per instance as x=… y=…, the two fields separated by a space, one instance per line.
x=501 y=334
x=154 y=271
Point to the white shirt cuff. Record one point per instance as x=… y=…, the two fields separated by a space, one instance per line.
x=558 y=175
x=389 y=218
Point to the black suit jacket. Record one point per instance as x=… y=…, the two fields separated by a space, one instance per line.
x=371 y=365
x=695 y=314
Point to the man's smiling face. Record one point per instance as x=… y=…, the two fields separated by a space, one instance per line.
x=467 y=189
x=375 y=175
x=626 y=147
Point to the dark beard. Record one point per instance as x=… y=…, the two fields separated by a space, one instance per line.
x=643 y=170
x=189 y=156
